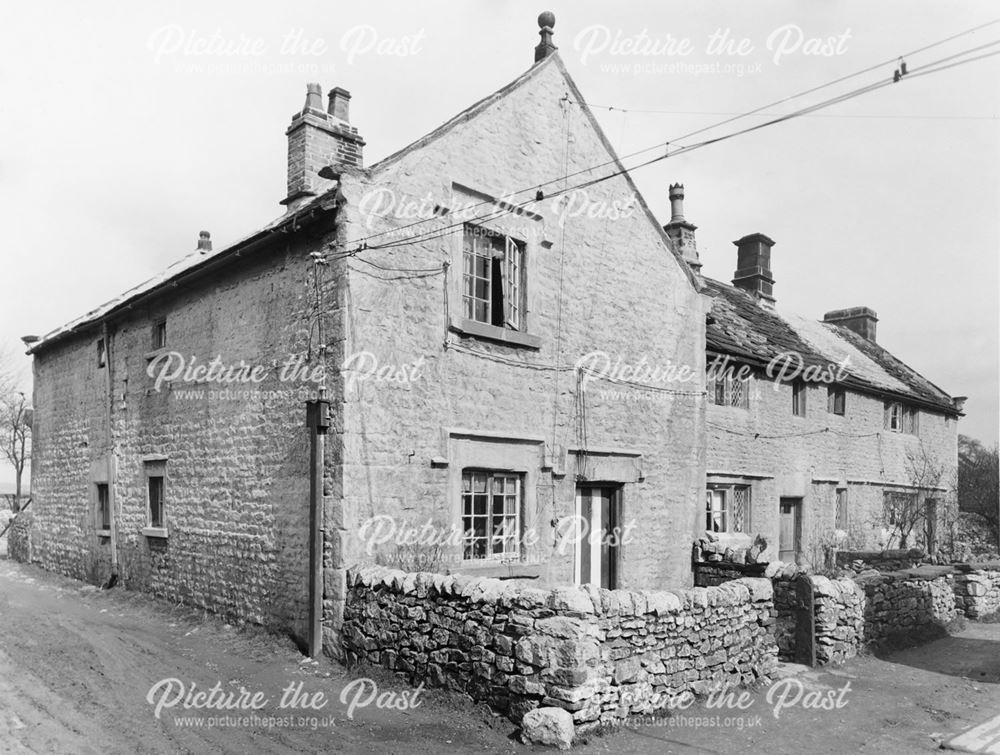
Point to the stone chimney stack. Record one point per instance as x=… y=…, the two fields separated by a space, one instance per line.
x=753 y=267
x=546 y=22
x=319 y=139
x=861 y=320
x=681 y=232
x=204 y=242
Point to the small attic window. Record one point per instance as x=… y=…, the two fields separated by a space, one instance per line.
x=836 y=400
x=102 y=353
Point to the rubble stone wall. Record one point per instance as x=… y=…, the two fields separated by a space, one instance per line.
x=977 y=593
x=839 y=619
x=603 y=655
x=900 y=604
x=19 y=538
x=785 y=617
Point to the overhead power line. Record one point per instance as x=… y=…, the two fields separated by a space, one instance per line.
x=933 y=67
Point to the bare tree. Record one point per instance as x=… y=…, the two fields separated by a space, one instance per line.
x=978 y=484
x=15 y=424
x=917 y=514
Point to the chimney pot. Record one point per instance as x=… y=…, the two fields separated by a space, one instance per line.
x=340 y=104
x=204 y=242
x=676 y=202
x=861 y=320
x=546 y=22
x=320 y=143
x=753 y=266
x=681 y=232
x=314 y=98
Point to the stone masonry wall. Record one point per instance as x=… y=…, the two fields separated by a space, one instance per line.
x=782 y=455
x=481 y=402
x=19 y=538
x=785 y=617
x=977 y=593
x=838 y=619
x=603 y=655
x=897 y=604
x=236 y=497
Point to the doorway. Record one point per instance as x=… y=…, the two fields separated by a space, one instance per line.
x=598 y=516
x=790 y=530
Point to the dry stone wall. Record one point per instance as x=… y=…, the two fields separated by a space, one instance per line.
x=901 y=605
x=838 y=623
x=19 y=538
x=977 y=593
x=602 y=655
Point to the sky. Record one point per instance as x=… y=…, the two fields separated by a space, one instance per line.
x=125 y=129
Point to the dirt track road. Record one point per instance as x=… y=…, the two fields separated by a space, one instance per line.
x=76 y=665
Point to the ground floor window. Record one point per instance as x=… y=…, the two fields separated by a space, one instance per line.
x=727 y=508
x=842 y=509
x=491 y=514
x=156 y=473
x=103 y=507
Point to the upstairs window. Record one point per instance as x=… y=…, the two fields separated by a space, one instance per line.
x=727 y=508
x=799 y=399
x=160 y=335
x=900 y=418
x=726 y=389
x=836 y=400
x=102 y=353
x=491 y=515
x=493 y=278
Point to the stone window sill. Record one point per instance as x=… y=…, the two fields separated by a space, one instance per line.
x=104 y=533
x=492 y=333
x=499 y=569
x=160 y=532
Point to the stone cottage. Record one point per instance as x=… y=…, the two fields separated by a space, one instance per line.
x=480 y=355
x=817 y=436
x=172 y=452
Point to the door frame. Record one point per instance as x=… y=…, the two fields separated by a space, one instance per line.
x=608 y=555
x=796 y=503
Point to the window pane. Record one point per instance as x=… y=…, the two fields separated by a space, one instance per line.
x=737 y=393
x=482 y=267
x=478 y=483
x=741 y=509
x=156 y=501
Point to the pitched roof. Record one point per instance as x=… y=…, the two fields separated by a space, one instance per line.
x=615 y=166
x=190 y=264
x=197 y=259
x=740 y=326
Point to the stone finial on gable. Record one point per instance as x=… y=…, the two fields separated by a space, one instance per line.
x=546 y=22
